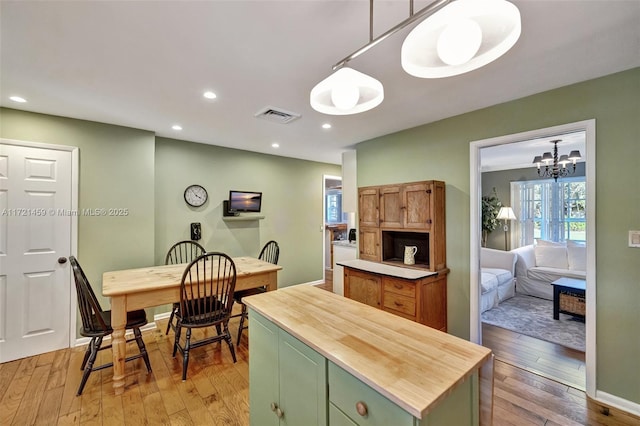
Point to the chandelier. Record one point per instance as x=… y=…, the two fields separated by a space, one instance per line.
x=555 y=167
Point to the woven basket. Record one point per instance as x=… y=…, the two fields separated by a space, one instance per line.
x=574 y=303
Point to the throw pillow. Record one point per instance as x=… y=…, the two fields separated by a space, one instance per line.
x=577 y=256
x=551 y=256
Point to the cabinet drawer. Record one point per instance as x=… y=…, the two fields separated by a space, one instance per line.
x=338 y=418
x=397 y=302
x=403 y=287
x=345 y=391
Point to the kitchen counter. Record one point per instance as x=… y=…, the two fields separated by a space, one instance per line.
x=388 y=270
x=414 y=366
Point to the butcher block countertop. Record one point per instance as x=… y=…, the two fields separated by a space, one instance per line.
x=411 y=364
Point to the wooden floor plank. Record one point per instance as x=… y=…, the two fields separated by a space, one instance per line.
x=28 y=409
x=7 y=373
x=539 y=357
x=12 y=397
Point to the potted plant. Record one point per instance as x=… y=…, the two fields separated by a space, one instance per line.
x=490 y=207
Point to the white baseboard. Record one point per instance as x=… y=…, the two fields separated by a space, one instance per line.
x=617 y=402
x=318 y=282
x=162 y=316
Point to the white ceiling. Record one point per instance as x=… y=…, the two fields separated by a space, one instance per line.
x=145 y=65
x=519 y=155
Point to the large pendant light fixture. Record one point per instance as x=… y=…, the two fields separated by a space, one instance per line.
x=454 y=37
x=461 y=37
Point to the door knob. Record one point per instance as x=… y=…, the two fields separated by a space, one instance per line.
x=62 y=260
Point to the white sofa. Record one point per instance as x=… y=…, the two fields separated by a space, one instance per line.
x=540 y=264
x=497 y=269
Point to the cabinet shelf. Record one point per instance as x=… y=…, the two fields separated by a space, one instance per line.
x=241 y=218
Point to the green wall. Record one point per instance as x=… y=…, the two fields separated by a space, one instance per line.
x=130 y=168
x=440 y=151
x=291 y=204
x=116 y=171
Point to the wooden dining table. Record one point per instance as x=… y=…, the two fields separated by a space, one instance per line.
x=141 y=288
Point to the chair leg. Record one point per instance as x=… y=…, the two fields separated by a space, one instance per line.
x=142 y=347
x=94 y=347
x=86 y=357
x=185 y=355
x=227 y=338
x=173 y=313
x=243 y=315
x=177 y=339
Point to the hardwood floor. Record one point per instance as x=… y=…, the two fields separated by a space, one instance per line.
x=546 y=359
x=41 y=390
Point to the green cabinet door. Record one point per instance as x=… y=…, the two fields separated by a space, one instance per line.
x=263 y=371
x=303 y=383
x=287 y=379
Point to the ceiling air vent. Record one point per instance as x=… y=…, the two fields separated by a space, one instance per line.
x=277 y=115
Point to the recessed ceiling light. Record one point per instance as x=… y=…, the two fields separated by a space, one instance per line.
x=209 y=95
x=326 y=126
x=176 y=127
x=18 y=99
x=275 y=145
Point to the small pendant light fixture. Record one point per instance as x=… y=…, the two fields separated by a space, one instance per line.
x=346 y=91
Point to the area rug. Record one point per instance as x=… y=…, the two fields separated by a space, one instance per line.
x=533 y=317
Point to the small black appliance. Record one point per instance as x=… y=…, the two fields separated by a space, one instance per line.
x=352 y=235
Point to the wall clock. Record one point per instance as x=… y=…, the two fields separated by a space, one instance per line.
x=195 y=195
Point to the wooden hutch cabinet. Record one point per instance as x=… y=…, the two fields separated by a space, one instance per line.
x=395 y=216
x=390 y=218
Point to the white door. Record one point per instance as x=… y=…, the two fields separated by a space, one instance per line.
x=35 y=232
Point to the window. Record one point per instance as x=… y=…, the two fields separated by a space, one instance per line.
x=333 y=206
x=549 y=210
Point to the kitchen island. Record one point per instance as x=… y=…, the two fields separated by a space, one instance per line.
x=319 y=358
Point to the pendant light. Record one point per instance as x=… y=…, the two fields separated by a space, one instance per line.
x=454 y=37
x=346 y=91
x=461 y=37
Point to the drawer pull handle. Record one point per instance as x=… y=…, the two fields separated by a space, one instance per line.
x=398 y=304
x=361 y=408
x=274 y=407
x=398 y=286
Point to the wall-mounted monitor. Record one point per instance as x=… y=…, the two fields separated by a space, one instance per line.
x=245 y=201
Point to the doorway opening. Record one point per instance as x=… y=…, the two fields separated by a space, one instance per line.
x=334 y=224
x=476 y=165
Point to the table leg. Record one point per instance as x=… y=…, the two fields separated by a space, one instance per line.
x=118 y=342
x=556 y=302
x=273 y=281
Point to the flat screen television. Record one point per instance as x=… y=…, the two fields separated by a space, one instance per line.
x=245 y=201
